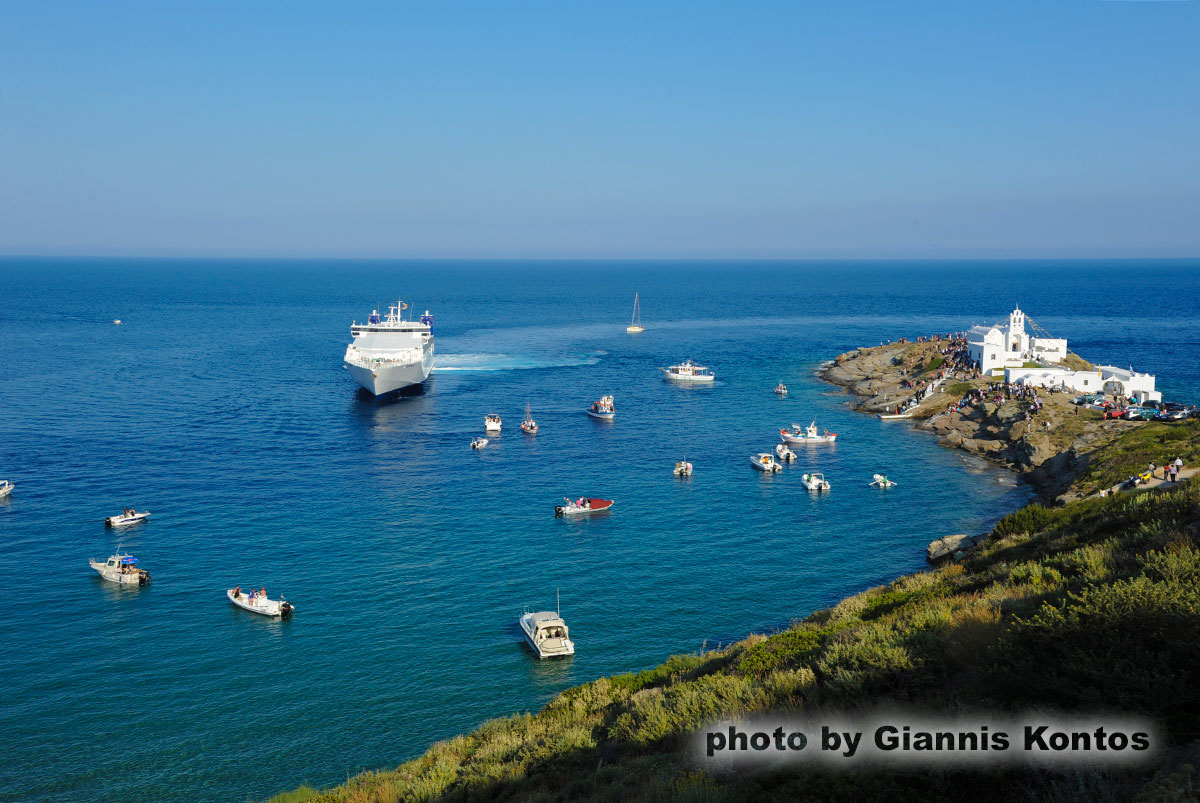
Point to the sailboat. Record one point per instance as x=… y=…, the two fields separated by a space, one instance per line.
x=528 y=426
x=635 y=323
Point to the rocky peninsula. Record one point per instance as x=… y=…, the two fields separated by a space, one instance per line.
x=1064 y=451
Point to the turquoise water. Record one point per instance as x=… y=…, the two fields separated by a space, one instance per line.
x=221 y=406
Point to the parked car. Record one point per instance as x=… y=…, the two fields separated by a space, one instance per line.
x=1114 y=412
x=1140 y=413
x=1171 y=415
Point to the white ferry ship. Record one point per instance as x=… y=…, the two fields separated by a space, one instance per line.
x=389 y=353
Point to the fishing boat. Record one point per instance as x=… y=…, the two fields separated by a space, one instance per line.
x=6 y=488
x=688 y=371
x=528 y=426
x=881 y=481
x=491 y=422
x=603 y=409
x=547 y=633
x=576 y=507
x=798 y=434
x=635 y=323
x=479 y=443
x=683 y=468
x=120 y=568
x=784 y=454
x=781 y=389
x=765 y=462
x=815 y=481
x=126 y=518
x=258 y=602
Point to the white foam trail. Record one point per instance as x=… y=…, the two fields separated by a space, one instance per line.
x=509 y=362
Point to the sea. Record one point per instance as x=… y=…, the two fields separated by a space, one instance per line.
x=221 y=405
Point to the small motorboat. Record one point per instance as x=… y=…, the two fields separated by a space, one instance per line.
x=258 y=602
x=881 y=481
x=815 y=481
x=547 y=634
x=120 y=568
x=575 y=507
x=128 y=517
x=798 y=434
x=683 y=468
x=688 y=371
x=781 y=389
x=6 y=488
x=528 y=426
x=784 y=454
x=893 y=416
x=117 y=321
x=603 y=409
x=491 y=422
x=765 y=462
x=479 y=443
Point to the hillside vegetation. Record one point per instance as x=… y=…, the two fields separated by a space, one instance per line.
x=1094 y=606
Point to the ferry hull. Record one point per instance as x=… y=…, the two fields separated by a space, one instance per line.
x=383 y=379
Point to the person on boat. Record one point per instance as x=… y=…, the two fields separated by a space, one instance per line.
x=262 y=592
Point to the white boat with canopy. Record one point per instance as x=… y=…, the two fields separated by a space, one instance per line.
x=784 y=454
x=491 y=422
x=121 y=568
x=258 y=602
x=765 y=462
x=547 y=634
x=688 y=371
x=683 y=468
x=815 y=481
x=781 y=389
x=603 y=409
x=798 y=434
x=6 y=488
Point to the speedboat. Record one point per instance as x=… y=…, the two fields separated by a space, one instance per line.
x=491 y=422
x=785 y=454
x=130 y=516
x=765 y=462
x=683 y=468
x=575 y=507
x=258 y=602
x=798 y=434
x=881 y=481
x=479 y=443
x=688 y=371
x=603 y=409
x=781 y=389
x=547 y=634
x=815 y=481
x=120 y=568
x=5 y=488
x=635 y=323
x=528 y=426
x=117 y=321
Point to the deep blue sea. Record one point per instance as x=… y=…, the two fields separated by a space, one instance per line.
x=221 y=405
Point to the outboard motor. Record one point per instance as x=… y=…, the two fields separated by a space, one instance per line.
x=144 y=577
x=557 y=511
x=285 y=608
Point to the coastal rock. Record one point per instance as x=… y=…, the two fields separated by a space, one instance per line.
x=948 y=546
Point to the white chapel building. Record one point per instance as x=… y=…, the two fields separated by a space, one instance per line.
x=1035 y=361
x=998 y=347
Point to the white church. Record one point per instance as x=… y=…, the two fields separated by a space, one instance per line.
x=1036 y=361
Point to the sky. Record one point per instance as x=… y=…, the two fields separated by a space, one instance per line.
x=765 y=130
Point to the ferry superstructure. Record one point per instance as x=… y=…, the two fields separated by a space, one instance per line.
x=389 y=353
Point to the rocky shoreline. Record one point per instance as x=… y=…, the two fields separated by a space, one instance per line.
x=1048 y=443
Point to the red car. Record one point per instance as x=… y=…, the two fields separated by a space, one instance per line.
x=1114 y=412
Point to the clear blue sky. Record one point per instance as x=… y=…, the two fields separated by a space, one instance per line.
x=610 y=129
